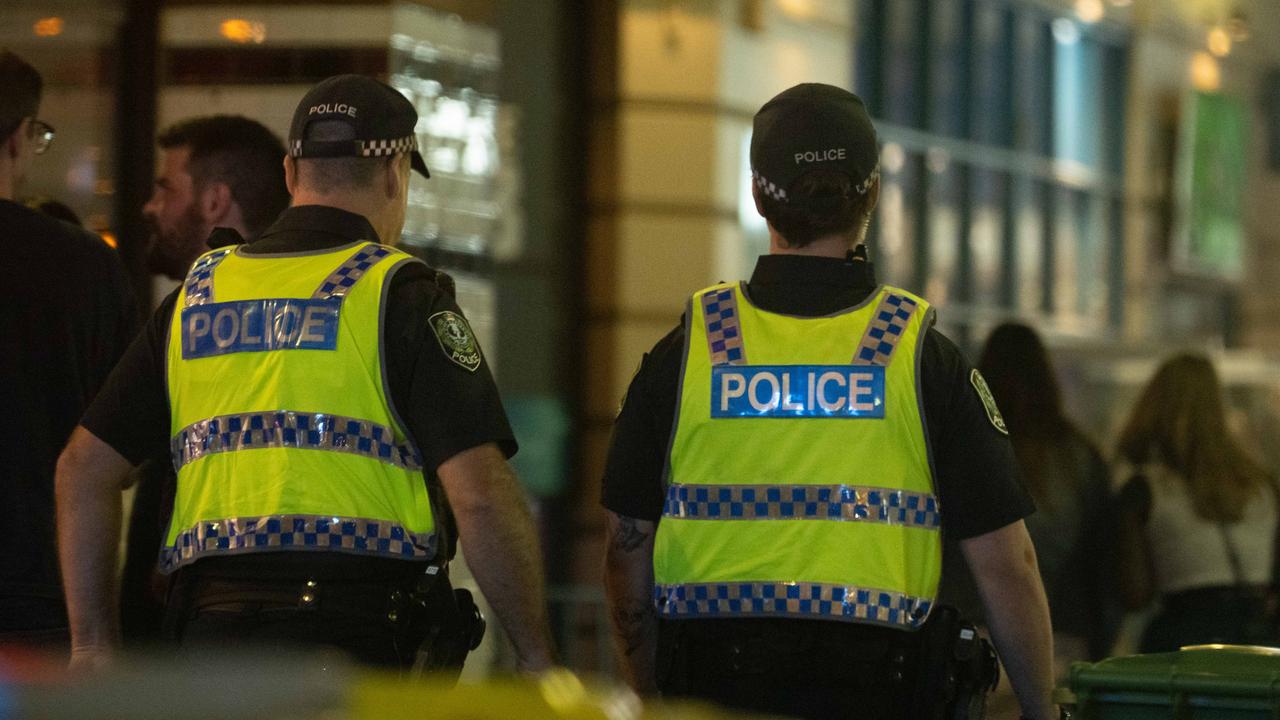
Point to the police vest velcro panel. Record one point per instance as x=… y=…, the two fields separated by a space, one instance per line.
x=281 y=432
x=799 y=482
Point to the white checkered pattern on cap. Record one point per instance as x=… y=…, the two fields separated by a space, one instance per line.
x=382 y=148
x=865 y=185
x=777 y=193
x=769 y=188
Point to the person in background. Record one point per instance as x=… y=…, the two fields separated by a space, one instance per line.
x=1066 y=475
x=334 y=425
x=66 y=315
x=1198 y=516
x=214 y=171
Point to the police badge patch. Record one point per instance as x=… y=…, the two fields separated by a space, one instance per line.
x=984 y=392
x=456 y=339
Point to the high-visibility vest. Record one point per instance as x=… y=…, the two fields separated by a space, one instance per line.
x=799 y=480
x=281 y=432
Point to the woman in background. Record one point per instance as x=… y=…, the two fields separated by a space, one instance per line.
x=1067 y=477
x=1198 y=516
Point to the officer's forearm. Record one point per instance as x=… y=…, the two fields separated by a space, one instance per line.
x=1004 y=565
x=502 y=550
x=89 y=479
x=628 y=581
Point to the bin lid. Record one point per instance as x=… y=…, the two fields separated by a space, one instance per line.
x=1219 y=670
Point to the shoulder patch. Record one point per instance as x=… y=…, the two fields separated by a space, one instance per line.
x=456 y=339
x=993 y=413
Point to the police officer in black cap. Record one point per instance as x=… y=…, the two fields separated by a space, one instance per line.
x=332 y=421
x=786 y=460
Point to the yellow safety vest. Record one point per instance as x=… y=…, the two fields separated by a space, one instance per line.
x=799 y=480
x=281 y=432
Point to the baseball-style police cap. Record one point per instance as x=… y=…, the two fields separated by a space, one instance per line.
x=381 y=120
x=809 y=127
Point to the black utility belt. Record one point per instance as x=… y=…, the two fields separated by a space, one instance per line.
x=391 y=597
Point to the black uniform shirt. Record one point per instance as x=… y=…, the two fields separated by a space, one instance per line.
x=66 y=315
x=447 y=408
x=975 y=473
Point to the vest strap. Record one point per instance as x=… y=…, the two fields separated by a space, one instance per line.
x=273 y=533
x=348 y=273
x=290 y=429
x=724 y=334
x=887 y=325
x=199 y=283
x=792 y=599
x=846 y=503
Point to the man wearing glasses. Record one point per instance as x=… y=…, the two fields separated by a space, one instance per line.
x=66 y=316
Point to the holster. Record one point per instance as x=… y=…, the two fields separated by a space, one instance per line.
x=455 y=627
x=956 y=668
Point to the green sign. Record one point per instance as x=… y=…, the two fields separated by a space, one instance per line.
x=1212 y=168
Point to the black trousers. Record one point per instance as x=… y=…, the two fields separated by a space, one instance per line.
x=379 y=623
x=798 y=668
x=1210 y=615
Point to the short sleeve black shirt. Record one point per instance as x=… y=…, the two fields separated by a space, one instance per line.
x=67 y=314
x=975 y=472
x=446 y=407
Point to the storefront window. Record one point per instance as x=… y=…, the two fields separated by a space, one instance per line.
x=72 y=46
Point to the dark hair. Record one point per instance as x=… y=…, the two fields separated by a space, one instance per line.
x=54 y=209
x=327 y=175
x=20 y=91
x=1179 y=420
x=239 y=152
x=1018 y=371
x=819 y=203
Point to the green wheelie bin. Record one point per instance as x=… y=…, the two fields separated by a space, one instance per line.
x=1202 y=682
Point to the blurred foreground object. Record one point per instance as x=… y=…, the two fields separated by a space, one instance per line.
x=281 y=686
x=1202 y=681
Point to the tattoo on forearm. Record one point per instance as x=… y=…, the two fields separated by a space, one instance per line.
x=634 y=622
x=628 y=537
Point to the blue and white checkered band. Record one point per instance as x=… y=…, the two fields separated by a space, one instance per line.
x=341 y=280
x=199 y=283
x=886 y=328
x=724 y=333
x=286 y=429
x=802 y=502
x=274 y=533
x=382 y=148
x=768 y=188
x=791 y=599
x=862 y=187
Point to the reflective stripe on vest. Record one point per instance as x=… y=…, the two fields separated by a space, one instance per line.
x=281 y=431
x=802 y=502
x=293 y=532
x=772 y=599
x=315 y=431
x=799 y=484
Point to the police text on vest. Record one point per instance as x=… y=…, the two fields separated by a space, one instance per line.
x=260 y=325
x=797 y=391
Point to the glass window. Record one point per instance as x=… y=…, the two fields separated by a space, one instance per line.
x=948 y=67
x=986 y=235
x=1076 y=101
x=895 y=225
x=945 y=230
x=902 y=63
x=1032 y=78
x=991 y=111
x=1028 y=249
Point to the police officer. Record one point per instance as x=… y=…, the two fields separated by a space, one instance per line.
x=786 y=459
x=329 y=413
